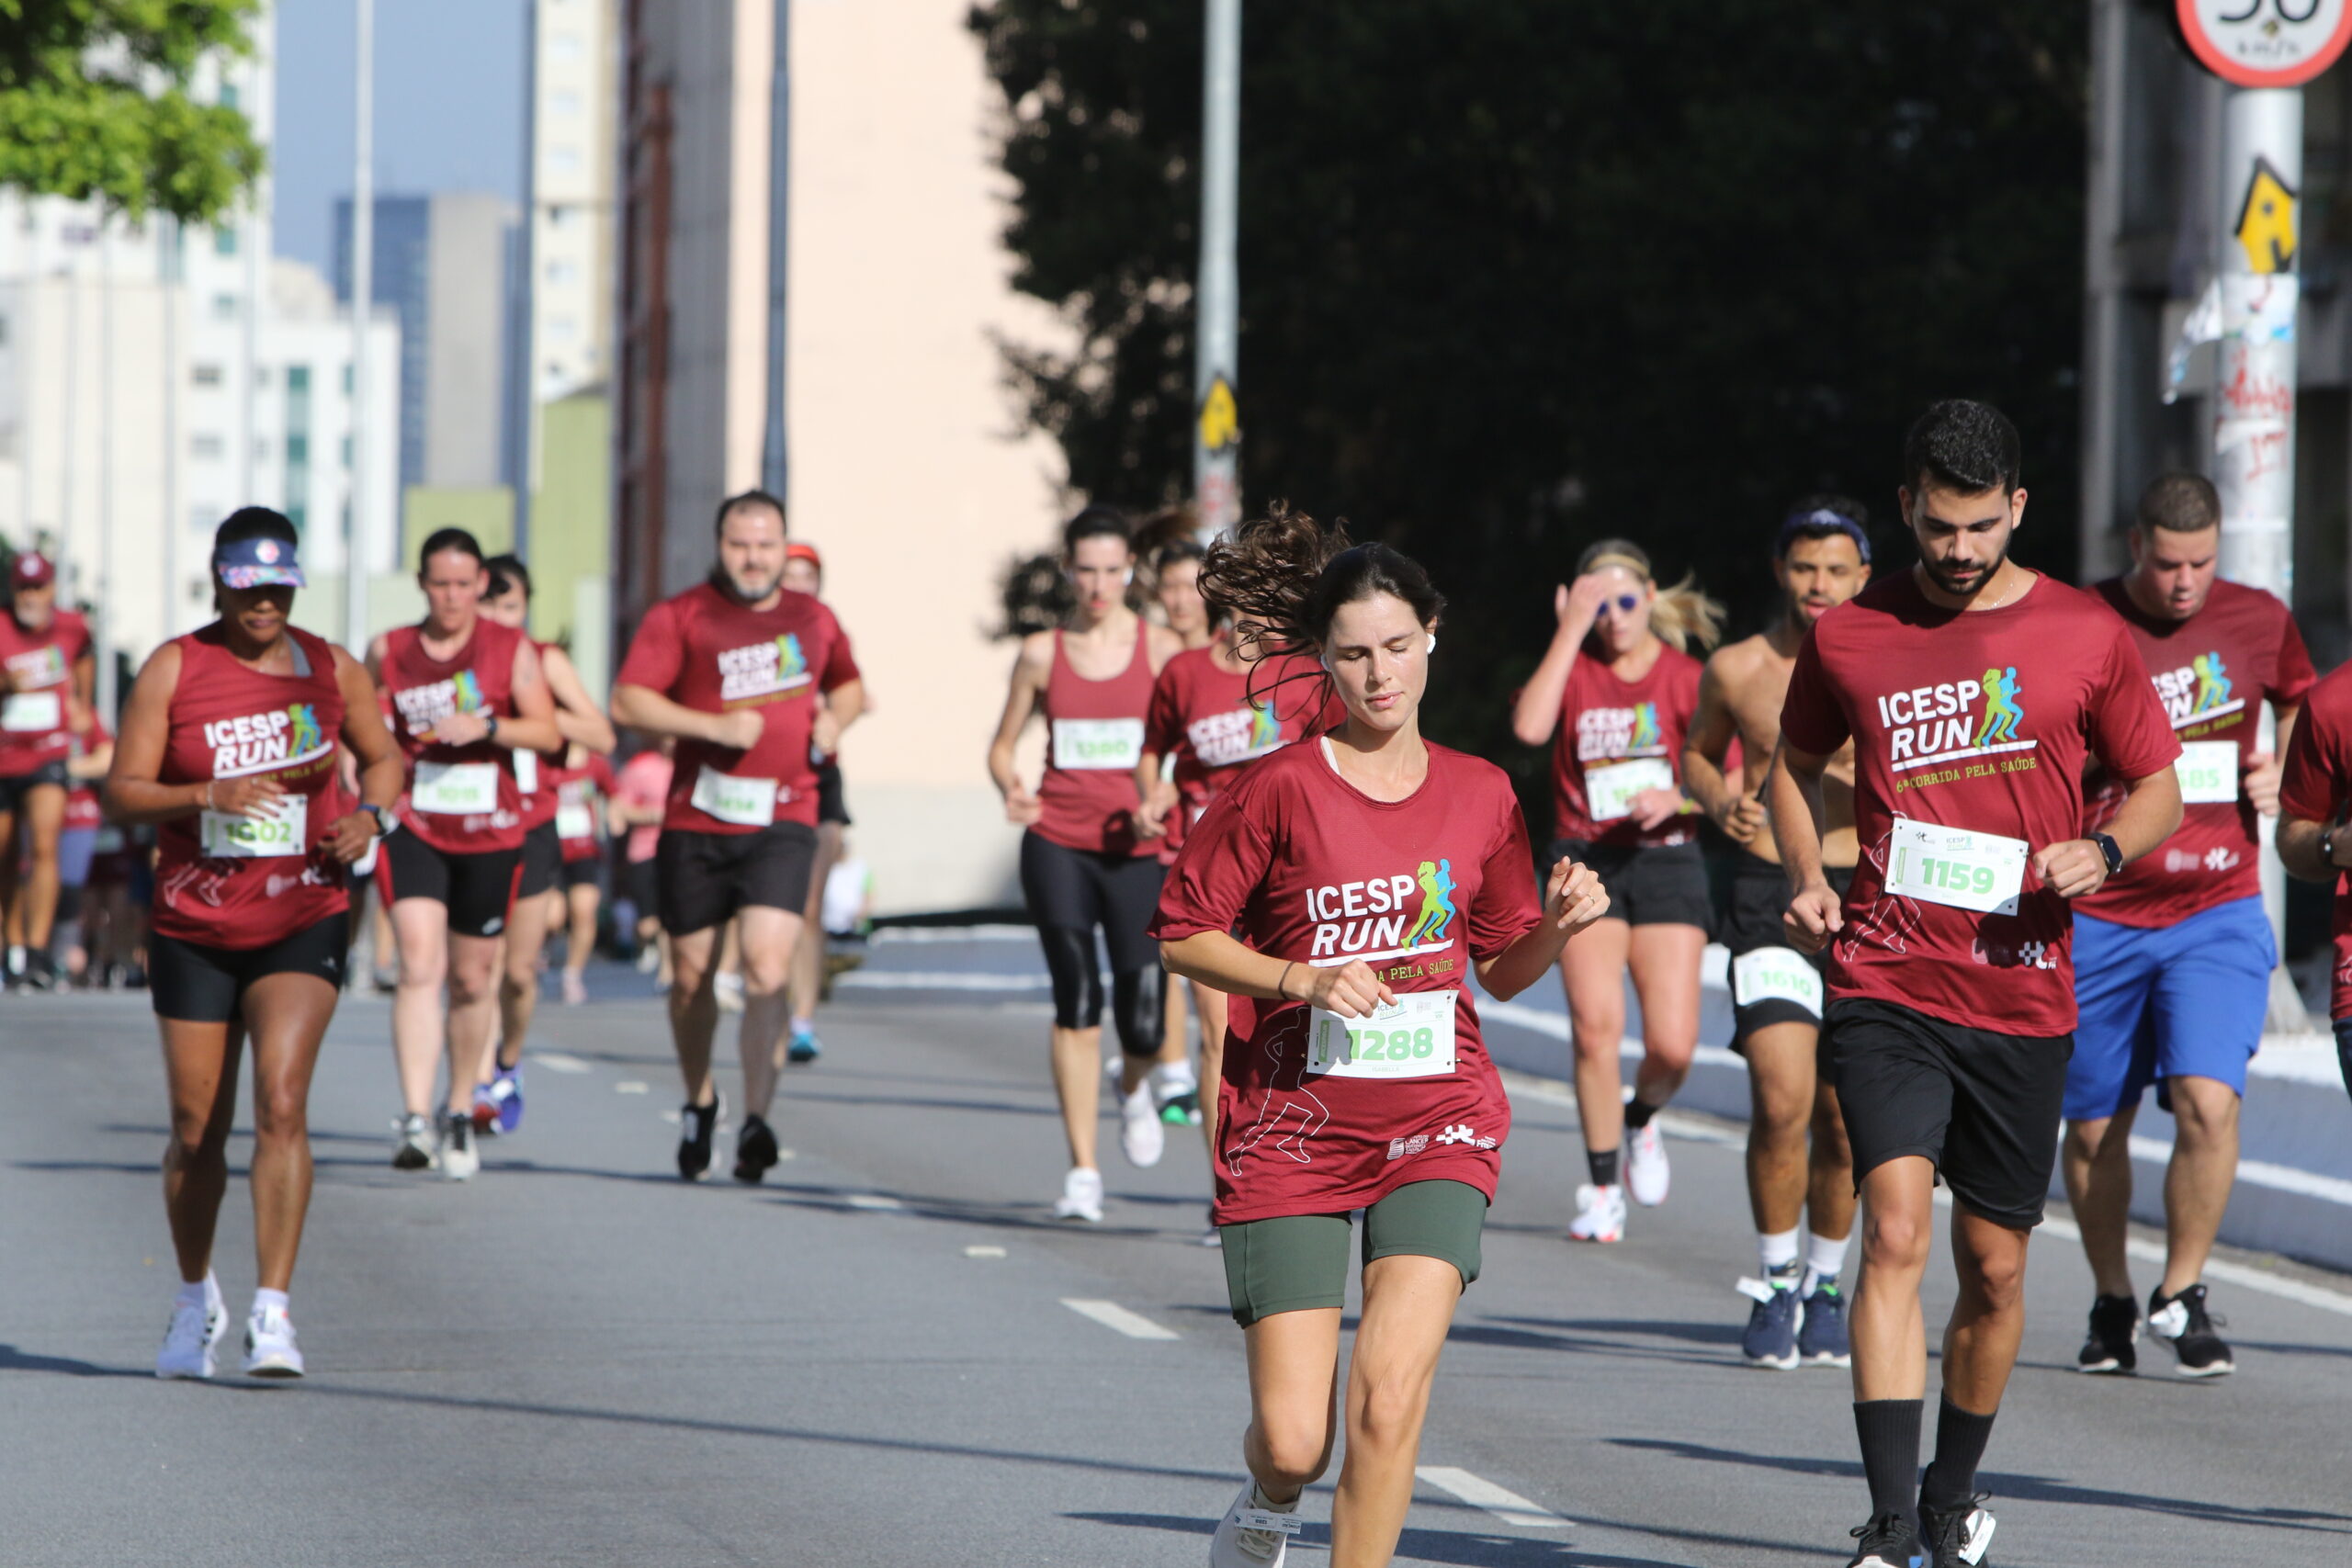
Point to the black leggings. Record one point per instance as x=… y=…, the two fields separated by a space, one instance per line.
x=1070 y=893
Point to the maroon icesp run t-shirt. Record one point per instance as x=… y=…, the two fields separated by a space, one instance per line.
x=1214 y=721
x=2213 y=673
x=1301 y=865
x=1907 y=679
x=2315 y=785
x=1606 y=721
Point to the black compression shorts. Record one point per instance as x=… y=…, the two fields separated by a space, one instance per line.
x=704 y=878
x=1656 y=884
x=193 y=984
x=1983 y=1107
x=579 y=872
x=14 y=787
x=832 y=804
x=1069 y=894
x=542 y=861
x=478 y=888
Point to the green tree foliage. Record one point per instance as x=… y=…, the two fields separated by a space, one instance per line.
x=1517 y=277
x=94 y=103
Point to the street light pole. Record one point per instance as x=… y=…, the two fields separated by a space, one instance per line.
x=363 y=290
x=1217 y=419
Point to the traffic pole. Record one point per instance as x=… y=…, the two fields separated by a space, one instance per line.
x=1216 y=419
x=363 y=290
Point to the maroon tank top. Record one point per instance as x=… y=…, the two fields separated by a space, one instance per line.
x=460 y=799
x=235 y=882
x=534 y=771
x=1094 y=739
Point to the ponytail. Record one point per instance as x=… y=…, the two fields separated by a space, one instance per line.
x=1682 y=614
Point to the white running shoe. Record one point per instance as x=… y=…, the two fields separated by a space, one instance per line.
x=188 y=1342
x=1647 y=1175
x=270 y=1350
x=1141 y=1137
x=1254 y=1534
x=460 y=1157
x=728 y=989
x=1601 y=1214
x=412 y=1144
x=1082 y=1196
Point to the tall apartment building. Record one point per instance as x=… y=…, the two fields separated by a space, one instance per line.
x=901 y=469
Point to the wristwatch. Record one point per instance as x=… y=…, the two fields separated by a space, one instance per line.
x=2328 y=844
x=490 y=721
x=385 y=821
x=2108 y=851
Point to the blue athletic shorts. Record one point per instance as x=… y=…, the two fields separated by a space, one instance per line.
x=2173 y=1001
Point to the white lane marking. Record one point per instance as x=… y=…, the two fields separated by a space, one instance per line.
x=1500 y=1501
x=925 y=934
x=1113 y=1316
x=938 y=980
x=556 y=1062
x=874 y=1201
x=1527 y=1086
x=2261 y=1173
x=632 y=1085
x=984 y=1252
x=1536 y=1021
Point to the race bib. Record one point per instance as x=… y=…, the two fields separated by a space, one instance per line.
x=2208 y=771
x=1772 y=974
x=31 y=711
x=282 y=830
x=574 y=822
x=1609 y=790
x=1411 y=1038
x=748 y=803
x=526 y=771
x=454 y=789
x=1955 y=868
x=1081 y=744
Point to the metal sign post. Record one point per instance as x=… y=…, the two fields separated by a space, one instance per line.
x=363 y=309
x=1216 y=425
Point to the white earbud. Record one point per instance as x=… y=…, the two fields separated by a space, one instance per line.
x=1430 y=646
x=1128 y=575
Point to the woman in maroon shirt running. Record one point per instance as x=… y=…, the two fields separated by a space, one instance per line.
x=1083 y=864
x=227 y=745
x=1341 y=892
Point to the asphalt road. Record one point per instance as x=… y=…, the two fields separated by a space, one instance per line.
x=872 y=1359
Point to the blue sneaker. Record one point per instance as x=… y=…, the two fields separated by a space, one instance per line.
x=804 y=1047
x=498 y=1104
x=1772 y=1336
x=1823 y=1336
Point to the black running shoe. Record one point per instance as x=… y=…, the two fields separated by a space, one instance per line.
x=755 y=1151
x=2115 y=1326
x=1889 y=1540
x=40 y=971
x=1957 y=1536
x=697 y=1125
x=2183 y=1321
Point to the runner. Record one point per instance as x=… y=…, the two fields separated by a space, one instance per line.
x=1615 y=694
x=47 y=669
x=1821 y=559
x=77 y=846
x=2314 y=796
x=733 y=671
x=228 y=744
x=1083 y=864
x=581 y=785
x=1973 y=692
x=1358 y=877
x=498 y=1094
x=2173 y=956
x=465 y=695
x=804 y=572
x=633 y=816
x=1176 y=583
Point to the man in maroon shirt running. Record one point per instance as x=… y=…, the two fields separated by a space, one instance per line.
x=1974 y=692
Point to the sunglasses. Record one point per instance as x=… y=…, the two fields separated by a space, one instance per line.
x=1624 y=604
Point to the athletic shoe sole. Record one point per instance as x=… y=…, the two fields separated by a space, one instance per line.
x=272 y=1367
x=2111 y=1367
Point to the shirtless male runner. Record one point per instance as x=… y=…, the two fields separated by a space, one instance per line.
x=1821 y=558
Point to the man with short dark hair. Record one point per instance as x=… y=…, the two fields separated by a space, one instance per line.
x=1974 y=692
x=2173 y=956
x=1821 y=558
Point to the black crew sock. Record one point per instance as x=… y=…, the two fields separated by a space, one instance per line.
x=1960 y=1448
x=1602 y=1164
x=1638 y=1112
x=1889 y=1431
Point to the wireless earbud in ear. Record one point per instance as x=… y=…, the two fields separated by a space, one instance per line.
x=1128 y=575
x=1430 y=646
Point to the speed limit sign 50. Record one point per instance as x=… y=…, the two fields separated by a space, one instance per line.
x=2267 y=43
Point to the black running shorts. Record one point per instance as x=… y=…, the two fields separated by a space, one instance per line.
x=1983 y=1107
x=832 y=804
x=1656 y=884
x=1751 y=924
x=478 y=888
x=704 y=878
x=193 y=984
x=580 y=872
x=14 y=787
x=542 y=861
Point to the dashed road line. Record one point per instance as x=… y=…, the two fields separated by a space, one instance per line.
x=1500 y=1501
x=984 y=1252
x=556 y=1062
x=632 y=1085
x=874 y=1201
x=1118 y=1319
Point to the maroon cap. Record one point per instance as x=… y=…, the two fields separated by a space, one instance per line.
x=32 y=570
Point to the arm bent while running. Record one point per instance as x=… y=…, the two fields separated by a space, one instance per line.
x=1815 y=912
x=1712 y=729
x=133 y=795
x=382 y=773
x=576 y=713
x=1031 y=669
x=2149 y=814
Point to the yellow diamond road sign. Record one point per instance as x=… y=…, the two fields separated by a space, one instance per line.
x=2265 y=225
x=1220 y=417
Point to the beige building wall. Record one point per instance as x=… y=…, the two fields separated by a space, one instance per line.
x=904 y=470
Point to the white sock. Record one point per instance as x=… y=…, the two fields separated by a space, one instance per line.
x=1776 y=1251
x=265 y=1299
x=1823 y=1259
x=1176 y=1078
x=200 y=1292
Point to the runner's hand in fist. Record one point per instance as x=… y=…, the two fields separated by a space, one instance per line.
x=1813 y=916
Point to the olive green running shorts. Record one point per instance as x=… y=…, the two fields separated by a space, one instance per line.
x=1292 y=1262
